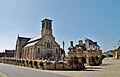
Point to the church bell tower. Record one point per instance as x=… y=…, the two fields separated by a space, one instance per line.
x=46 y=27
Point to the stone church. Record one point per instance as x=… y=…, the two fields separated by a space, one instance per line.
x=40 y=46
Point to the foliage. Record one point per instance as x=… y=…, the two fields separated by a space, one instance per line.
x=35 y=63
x=49 y=55
x=73 y=60
x=41 y=63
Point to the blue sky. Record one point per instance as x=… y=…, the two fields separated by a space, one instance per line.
x=98 y=20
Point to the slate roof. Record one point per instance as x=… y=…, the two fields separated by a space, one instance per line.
x=24 y=38
x=32 y=43
x=33 y=40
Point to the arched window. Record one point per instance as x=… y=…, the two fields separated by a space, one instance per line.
x=56 y=51
x=48 y=45
x=49 y=25
x=38 y=50
x=43 y=25
x=51 y=45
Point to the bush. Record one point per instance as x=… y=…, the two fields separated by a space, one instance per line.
x=35 y=64
x=41 y=65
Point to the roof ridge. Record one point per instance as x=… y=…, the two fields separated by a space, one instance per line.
x=24 y=37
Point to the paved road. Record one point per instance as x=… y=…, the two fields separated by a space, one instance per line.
x=18 y=71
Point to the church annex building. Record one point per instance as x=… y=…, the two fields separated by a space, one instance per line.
x=40 y=46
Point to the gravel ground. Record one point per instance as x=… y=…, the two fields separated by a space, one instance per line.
x=109 y=68
x=2 y=75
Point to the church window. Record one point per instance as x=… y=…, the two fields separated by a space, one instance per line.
x=56 y=51
x=48 y=45
x=38 y=50
x=49 y=25
x=45 y=45
x=51 y=45
x=43 y=25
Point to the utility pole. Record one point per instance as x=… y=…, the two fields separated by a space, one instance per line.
x=63 y=45
x=63 y=54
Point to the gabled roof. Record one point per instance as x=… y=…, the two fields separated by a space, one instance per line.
x=26 y=39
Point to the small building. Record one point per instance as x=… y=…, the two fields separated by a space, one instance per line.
x=109 y=53
x=2 y=54
x=87 y=44
x=117 y=53
x=10 y=53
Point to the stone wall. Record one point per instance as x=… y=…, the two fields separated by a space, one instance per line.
x=41 y=64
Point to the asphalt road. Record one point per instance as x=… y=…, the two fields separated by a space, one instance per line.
x=18 y=71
